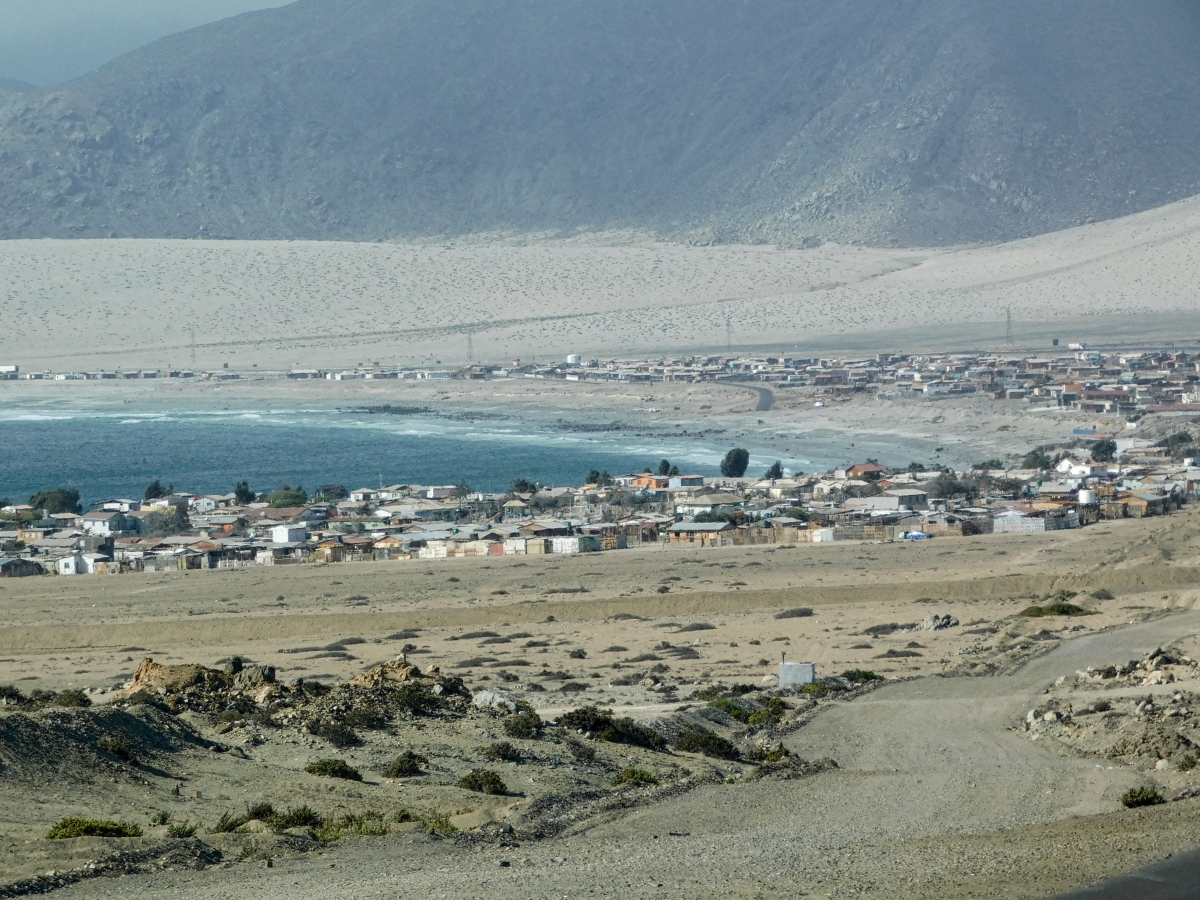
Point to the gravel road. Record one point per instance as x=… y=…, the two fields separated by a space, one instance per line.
x=936 y=797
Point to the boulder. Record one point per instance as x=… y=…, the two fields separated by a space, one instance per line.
x=938 y=623
x=392 y=672
x=496 y=700
x=160 y=679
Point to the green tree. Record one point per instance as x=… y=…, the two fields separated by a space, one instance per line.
x=155 y=490
x=243 y=494
x=522 y=486
x=462 y=490
x=674 y=471
x=287 y=496
x=664 y=467
x=776 y=470
x=1104 y=450
x=172 y=521
x=1177 y=444
x=58 y=500
x=735 y=463
x=1038 y=459
x=988 y=465
x=330 y=493
x=946 y=485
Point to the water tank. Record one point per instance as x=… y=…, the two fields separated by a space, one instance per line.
x=796 y=673
x=574 y=359
x=1087 y=498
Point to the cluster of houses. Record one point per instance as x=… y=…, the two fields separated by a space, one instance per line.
x=403 y=521
x=1075 y=377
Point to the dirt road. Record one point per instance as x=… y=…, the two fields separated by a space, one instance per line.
x=936 y=797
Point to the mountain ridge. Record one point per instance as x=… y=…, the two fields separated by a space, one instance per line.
x=925 y=122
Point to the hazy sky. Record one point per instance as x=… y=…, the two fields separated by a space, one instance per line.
x=46 y=42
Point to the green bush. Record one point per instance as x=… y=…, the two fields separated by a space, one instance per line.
x=1142 y=796
x=701 y=740
x=261 y=812
x=333 y=768
x=1055 y=609
x=821 y=688
x=771 y=712
x=731 y=708
x=227 y=824
x=406 y=765
x=338 y=735
x=634 y=776
x=336 y=827
x=118 y=747
x=297 y=817
x=76 y=699
x=182 y=830
x=603 y=727
x=861 y=676
x=482 y=781
x=433 y=822
x=774 y=754
x=502 y=751
x=75 y=826
x=162 y=817
x=525 y=723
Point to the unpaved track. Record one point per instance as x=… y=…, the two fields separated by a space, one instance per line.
x=936 y=798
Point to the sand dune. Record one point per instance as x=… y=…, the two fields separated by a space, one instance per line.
x=110 y=303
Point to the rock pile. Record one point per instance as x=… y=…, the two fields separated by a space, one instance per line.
x=1158 y=667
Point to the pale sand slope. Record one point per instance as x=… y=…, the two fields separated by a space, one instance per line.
x=92 y=304
x=935 y=797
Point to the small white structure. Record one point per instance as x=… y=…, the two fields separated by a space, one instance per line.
x=574 y=359
x=794 y=674
x=71 y=565
x=288 y=534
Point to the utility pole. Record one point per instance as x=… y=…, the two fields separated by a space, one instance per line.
x=1008 y=331
x=471 y=347
x=728 y=334
x=193 y=330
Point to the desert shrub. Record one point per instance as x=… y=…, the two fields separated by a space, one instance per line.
x=227 y=824
x=701 y=740
x=502 y=751
x=525 y=723
x=415 y=698
x=633 y=776
x=182 y=830
x=899 y=654
x=580 y=750
x=578 y=653
x=799 y=612
x=1186 y=762
x=338 y=735
x=406 y=765
x=162 y=817
x=73 y=699
x=10 y=694
x=433 y=822
x=1102 y=706
x=118 y=747
x=336 y=827
x=333 y=768
x=75 y=826
x=296 y=817
x=861 y=676
x=774 y=754
x=482 y=781
x=603 y=727
x=770 y=712
x=731 y=709
x=1102 y=594
x=364 y=717
x=821 y=688
x=1147 y=795
x=1055 y=609
x=712 y=692
x=261 y=812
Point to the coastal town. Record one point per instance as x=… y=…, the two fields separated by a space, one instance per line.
x=1095 y=476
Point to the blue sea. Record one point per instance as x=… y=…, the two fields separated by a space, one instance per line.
x=106 y=454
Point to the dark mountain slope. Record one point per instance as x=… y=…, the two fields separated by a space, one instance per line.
x=912 y=121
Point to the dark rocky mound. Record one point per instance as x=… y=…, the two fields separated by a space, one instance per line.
x=912 y=121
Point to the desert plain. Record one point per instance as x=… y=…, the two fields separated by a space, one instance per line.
x=942 y=778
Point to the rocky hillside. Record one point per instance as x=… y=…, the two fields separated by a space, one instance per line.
x=911 y=122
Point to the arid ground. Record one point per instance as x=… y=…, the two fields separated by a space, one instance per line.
x=942 y=788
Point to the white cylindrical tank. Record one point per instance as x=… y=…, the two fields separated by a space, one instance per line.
x=574 y=359
x=1087 y=498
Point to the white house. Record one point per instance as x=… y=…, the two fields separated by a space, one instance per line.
x=107 y=524
x=1085 y=467
x=709 y=503
x=288 y=534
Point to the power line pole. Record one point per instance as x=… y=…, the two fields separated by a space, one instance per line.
x=471 y=347
x=1008 y=332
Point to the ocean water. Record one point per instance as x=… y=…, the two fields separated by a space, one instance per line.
x=105 y=454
